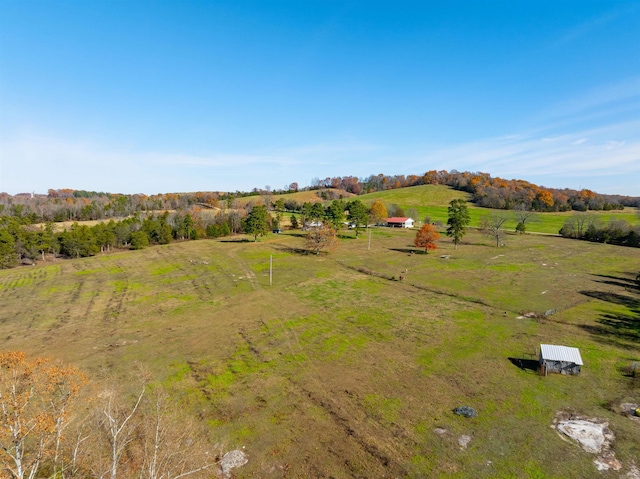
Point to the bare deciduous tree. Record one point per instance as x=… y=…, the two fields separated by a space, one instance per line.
x=146 y=438
x=170 y=445
x=523 y=215
x=493 y=226
x=116 y=424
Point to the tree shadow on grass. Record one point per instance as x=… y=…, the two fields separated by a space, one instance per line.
x=628 y=282
x=621 y=326
x=407 y=250
x=243 y=240
x=298 y=251
x=621 y=329
x=615 y=298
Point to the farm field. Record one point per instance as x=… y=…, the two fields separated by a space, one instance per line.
x=307 y=196
x=428 y=200
x=432 y=201
x=339 y=370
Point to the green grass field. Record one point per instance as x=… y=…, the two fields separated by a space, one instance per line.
x=337 y=370
x=307 y=196
x=432 y=201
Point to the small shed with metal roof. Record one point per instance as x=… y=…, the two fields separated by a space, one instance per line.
x=560 y=359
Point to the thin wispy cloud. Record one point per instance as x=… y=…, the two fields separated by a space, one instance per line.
x=610 y=97
x=608 y=151
x=593 y=24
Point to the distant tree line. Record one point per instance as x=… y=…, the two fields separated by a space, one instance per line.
x=487 y=191
x=78 y=205
x=22 y=243
x=589 y=228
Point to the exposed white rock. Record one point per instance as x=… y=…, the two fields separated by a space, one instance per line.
x=594 y=436
x=463 y=441
x=231 y=460
x=607 y=462
x=590 y=435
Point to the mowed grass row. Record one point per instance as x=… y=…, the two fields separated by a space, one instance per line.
x=336 y=370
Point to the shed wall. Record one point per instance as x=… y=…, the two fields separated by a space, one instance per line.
x=561 y=367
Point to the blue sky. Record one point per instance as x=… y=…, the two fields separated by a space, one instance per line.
x=153 y=96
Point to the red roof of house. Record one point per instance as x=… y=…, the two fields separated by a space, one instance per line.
x=397 y=219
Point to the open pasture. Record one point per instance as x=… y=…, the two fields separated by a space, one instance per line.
x=306 y=196
x=432 y=201
x=340 y=370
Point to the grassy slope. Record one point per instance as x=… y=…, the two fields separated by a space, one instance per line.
x=432 y=201
x=429 y=200
x=343 y=374
x=300 y=197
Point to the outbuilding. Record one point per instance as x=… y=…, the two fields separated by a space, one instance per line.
x=311 y=225
x=400 y=222
x=560 y=359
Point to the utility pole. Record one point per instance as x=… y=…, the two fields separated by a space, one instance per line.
x=369 y=239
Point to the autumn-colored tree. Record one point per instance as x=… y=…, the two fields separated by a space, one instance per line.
x=321 y=237
x=426 y=237
x=585 y=194
x=378 y=211
x=544 y=199
x=35 y=402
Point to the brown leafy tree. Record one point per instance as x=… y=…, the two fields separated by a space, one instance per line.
x=321 y=237
x=426 y=237
x=35 y=402
x=42 y=435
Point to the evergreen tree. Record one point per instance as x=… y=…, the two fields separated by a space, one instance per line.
x=335 y=213
x=257 y=222
x=8 y=255
x=358 y=214
x=458 y=220
x=139 y=240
